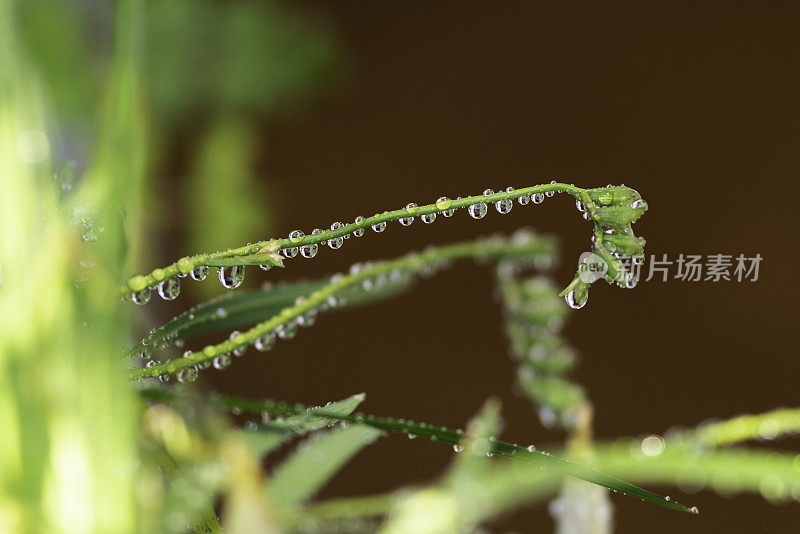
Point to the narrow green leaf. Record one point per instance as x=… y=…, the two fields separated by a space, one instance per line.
x=248 y=307
x=316 y=461
x=451 y=437
x=274 y=433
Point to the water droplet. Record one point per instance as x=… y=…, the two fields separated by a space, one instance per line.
x=667 y=498
x=580 y=206
x=504 y=206
x=296 y=235
x=88 y=230
x=531 y=448
x=170 y=288
x=524 y=200
x=412 y=436
x=444 y=203
x=379 y=227
x=287 y=252
x=537 y=198
x=288 y=330
x=694 y=510
x=653 y=445
x=187 y=374
x=458 y=448
x=309 y=251
x=428 y=218
x=411 y=208
x=199 y=273
x=141 y=297
x=630 y=280
x=238 y=351
x=638 y=204
x=146 y=354
x=308 y=318
x=574 y=302
x=265 y=342
x=477 y=211
x=231 y=277
x=550 y=193
x=223 y=361
x=488 y=192
x=358 y=232
x=336 y=242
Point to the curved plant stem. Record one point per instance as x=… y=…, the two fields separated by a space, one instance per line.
x=263 y=252
x=523 y=246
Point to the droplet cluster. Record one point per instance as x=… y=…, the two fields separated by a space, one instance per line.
x=231 y=276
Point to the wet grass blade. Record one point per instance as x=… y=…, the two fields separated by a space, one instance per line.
x=448 y=436
x=250 y=307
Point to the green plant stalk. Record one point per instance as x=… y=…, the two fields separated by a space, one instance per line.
x=433 y=433
x=768 y=425
x=413 y=262
x=263 y=252
x=351 y=507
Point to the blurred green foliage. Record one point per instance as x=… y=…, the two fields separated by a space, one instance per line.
x=116 y=86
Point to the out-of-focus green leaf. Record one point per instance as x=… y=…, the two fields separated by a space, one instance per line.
x=225 y=201
x=242 y=55
x=316 y=461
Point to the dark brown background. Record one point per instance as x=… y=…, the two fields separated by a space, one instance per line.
x=695 y=106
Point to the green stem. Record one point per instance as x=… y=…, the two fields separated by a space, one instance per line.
x=249 y=254
x=413 y=262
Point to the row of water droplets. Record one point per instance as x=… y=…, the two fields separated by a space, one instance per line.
x=483 y=446
x=231 y=277
x=425 y=264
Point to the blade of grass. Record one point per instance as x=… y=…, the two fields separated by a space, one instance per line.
x=451 y=437
x=248 y=307
x=316 y=461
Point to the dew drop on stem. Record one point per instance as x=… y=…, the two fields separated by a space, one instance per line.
x=223 y=361
x=358 y=232
x=232 y=276
x=141 y=297
x=199 y=273
x=336 y=242
x=477 y=211
x=265 y=342
x=170 y=288
x=187 y=374
x=575 y=302
x=444 y=203
x=411 y=208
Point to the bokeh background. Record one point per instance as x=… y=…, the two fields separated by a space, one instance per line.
x=265 y=117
